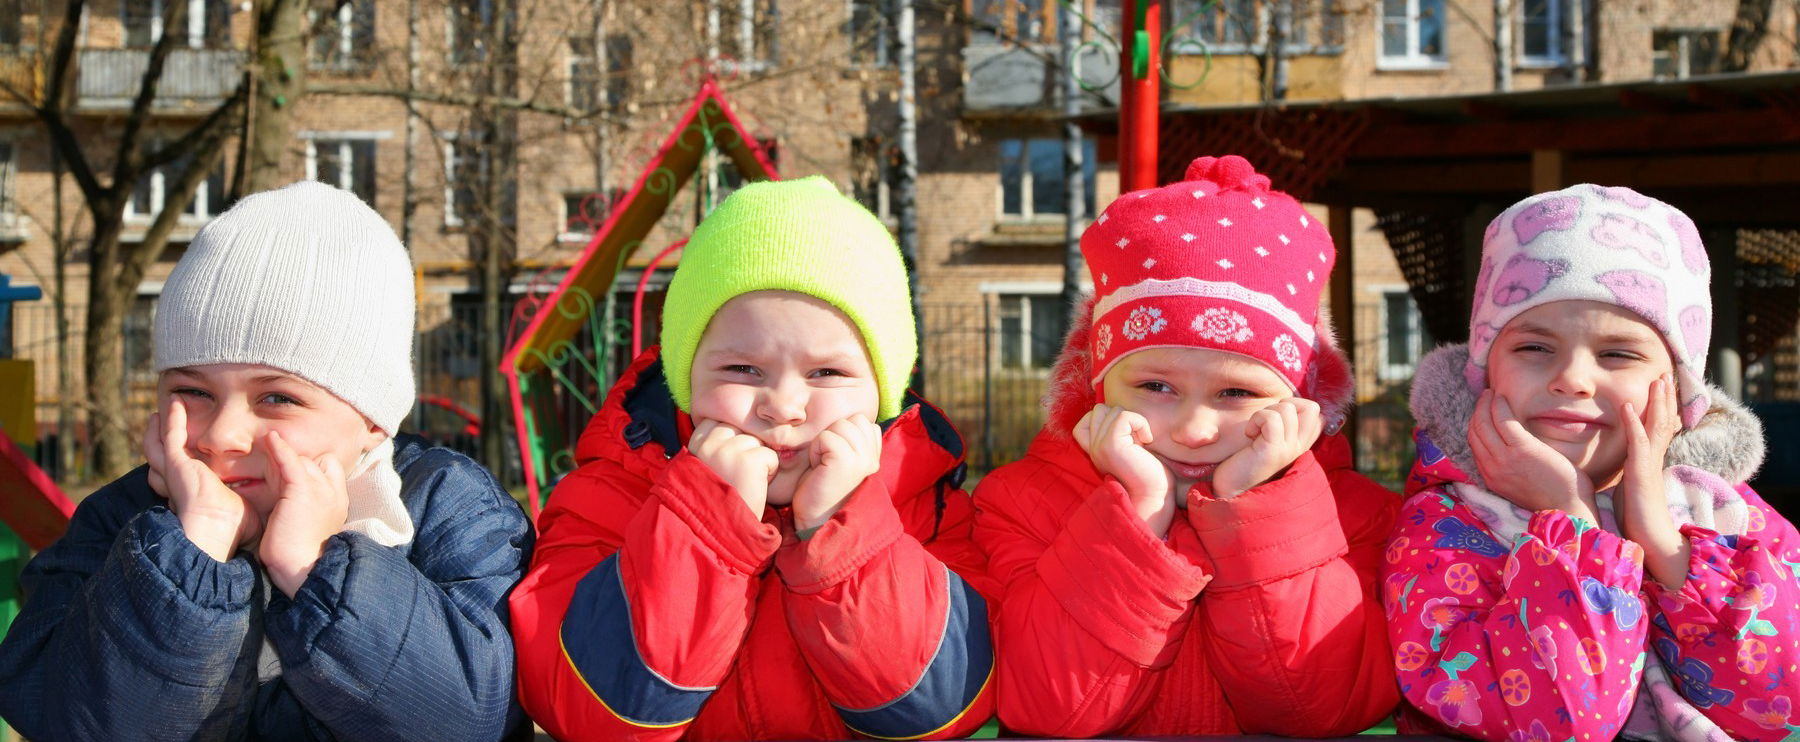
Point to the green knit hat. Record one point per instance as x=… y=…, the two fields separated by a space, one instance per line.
x=801 y=236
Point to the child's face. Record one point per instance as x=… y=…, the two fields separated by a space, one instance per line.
x=782 y=367
x=1197 y=402
x=1566 y=367
x=232 y=407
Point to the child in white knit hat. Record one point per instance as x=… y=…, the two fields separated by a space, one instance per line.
x=1580 y=558
x=286 y=564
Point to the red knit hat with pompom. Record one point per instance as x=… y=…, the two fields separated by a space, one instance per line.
x=1217 y=261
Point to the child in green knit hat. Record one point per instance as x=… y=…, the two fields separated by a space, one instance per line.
x=766 y=535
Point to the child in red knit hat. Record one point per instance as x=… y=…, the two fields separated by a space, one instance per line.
x=1185 y=549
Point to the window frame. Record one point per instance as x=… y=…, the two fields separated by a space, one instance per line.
x=881 y=30
x=347 y=57
x=1389 y=369
x=1413 y=59
x=197 y=36
x=1553 y=35
x=1028 y=213
x=200 y=211
x=612 y=196
x=1024 y=293
x=346 y=142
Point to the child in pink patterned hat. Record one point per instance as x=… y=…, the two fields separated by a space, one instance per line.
x=1185 y=549
x=1581 y=559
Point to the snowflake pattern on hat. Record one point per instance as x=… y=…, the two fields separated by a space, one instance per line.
x=1223 y=325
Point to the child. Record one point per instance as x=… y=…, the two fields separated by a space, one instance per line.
x=285 y=566
x=1185 y=550
x=1579 y=500
x=742 y=552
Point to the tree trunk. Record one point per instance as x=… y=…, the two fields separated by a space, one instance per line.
x=280 y=67
x=1503 y=45
x=907 y=192
x=1747 y=32
x=103 y=351
x=1068 y=35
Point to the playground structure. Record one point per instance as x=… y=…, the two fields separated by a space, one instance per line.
x=559 y=366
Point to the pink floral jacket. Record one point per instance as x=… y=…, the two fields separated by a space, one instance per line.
x=1541 y=627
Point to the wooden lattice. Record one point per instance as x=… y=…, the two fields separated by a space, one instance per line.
x=1298 y=150
x=1428 y=247
x=1769 y=294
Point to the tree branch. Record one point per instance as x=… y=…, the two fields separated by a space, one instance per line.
x=463 y=100
x=128 y=163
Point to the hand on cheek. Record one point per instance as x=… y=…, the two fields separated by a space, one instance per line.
x=1521 y=468
x=1278 y=435
x=1115 y=439
x=839 y=460
x=215 y=519
x=312 y=502
x=738 y=458
x=1641 y=502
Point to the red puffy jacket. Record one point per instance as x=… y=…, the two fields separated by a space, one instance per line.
x=1258 y=614
x=657 y=608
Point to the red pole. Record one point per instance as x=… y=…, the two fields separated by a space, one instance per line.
x=1140 y=87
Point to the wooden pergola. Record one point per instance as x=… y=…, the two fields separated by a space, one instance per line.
x=1725 y=149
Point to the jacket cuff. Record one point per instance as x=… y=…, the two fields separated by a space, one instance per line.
x=716 y=514
x=1117 y=579
x=1553 y=536
x=295 y=622
x=864 y=527
x=157 y=545
x=1274 y=530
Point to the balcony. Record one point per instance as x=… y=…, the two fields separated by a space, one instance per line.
x=1005 y=79
x=110 y=77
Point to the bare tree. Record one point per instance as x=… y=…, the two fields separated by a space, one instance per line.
x=1748 y=28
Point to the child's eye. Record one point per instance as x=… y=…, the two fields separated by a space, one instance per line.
x=279 y=398
x=1532 y=348
x=1239 y=393
x=1622 y=355
x=1156 y=387
x=739 y=368
x=828 y=372
x=188 y=391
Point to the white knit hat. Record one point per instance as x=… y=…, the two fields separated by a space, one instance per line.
x=307 y=279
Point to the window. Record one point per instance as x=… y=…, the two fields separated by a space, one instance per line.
x=1412 y=33
x=748 y=34
x=465 y=164
x=871 y=33
x=1244 y=26
x=1010 y=21
x=346 y=163
x=1223 y=25
x=1031 y=178
x=9 y=165
x=1405 y=337
x=157 y=187
x=12 y=22
x=726 y=177
x=345 y=39
x=1031 y=330
x=1540 y=32
x=207 y=24
x=584 y=212
x=585 y=77
x=137 y=335
x=471 y=21
x=618 y=68
x=1684 y=52
x=875 y=166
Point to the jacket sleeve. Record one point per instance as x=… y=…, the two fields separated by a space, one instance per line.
x=129 y=630
x=1728 y=636
x=897 y=639
x=1299 y=639
x=1491 y=640
x=638 y=601
x=1092 y=603
x=377 y=645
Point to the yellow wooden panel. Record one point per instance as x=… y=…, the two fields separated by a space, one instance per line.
x=18 y=400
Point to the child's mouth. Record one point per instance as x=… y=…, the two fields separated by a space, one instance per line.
x=1194 y=472
x=239 y=484
x=1567 y=424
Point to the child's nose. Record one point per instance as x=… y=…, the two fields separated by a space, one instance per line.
x=1197 y=426
x=1575 y=378
x=228 y=430
x=783 y=404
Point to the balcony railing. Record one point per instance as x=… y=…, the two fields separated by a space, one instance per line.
x=110 y=77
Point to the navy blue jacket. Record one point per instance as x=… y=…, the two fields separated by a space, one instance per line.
x=129 y=631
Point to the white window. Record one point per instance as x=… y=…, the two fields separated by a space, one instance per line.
x=344 y=40
x=584 y=212
x=9 y=166
x=208 y=23
x=1031 y=178
x=871 y=33
x=12 y=22
x=875 y=166
x=1540 y=32
x=584 y=74
x=462 y=161
x=1404 y=337
x=748 y=34
x=1684 y=52
x=348 y=163
x=469 y=24
x=1412 y=33
x=156 y=187
x=1029 y=331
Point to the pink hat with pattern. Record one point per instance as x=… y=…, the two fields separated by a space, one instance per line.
x=1216 y=261
x=1594 y=243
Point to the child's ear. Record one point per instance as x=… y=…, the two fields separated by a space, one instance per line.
x=373 y=436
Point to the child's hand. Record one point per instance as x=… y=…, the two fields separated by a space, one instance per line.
x=1521 y=468
x=840 y=459
x=312 y=503
x=1642 y=504
x=740 y=459
x=214 y=517
x=1114 y=438
x=1278 y=435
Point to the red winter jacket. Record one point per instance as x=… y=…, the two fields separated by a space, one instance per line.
x=657 y=608
x=1258 y=614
